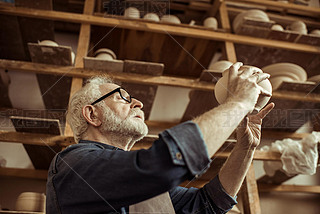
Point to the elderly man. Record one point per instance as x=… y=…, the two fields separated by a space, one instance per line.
x=101 y=175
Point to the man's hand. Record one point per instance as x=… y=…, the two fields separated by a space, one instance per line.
x=243 y=84
x=249 y=130
x=235 y=169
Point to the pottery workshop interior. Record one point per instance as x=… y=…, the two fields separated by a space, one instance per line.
x=174 y=56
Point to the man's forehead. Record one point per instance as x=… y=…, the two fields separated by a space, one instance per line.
x=105 y=88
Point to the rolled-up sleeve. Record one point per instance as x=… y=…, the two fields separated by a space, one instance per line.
x=219 y=196
x=211 y=199
x=187 y=147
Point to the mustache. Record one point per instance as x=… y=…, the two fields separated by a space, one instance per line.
x=136 y=112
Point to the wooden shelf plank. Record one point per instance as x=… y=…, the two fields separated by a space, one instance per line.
x=278 y=178
x=263 y=187
x=288 y=188
x=182 y=30
x=40 y=156
x=24 y=173
x=63 y=141
x=142 y=79
x=284 y=6
x=19 y=212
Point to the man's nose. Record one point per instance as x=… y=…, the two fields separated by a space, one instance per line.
x=136 y=103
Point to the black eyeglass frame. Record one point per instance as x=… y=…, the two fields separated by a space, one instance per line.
x=112 y=92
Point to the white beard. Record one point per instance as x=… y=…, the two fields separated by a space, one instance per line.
x=131 y=127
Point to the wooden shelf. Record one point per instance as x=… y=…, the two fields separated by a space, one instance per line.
x=154 y=27
x=137 y=78
x=19 y=212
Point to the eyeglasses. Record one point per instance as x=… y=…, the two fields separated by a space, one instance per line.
x=123 y=94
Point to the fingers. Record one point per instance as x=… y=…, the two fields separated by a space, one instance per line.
x=262 y=76
x=265 y=111
x=248 y=71
x=264 y=92
x=233 y=70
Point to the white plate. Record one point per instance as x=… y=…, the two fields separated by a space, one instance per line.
x=254 y=14
x=286 y=69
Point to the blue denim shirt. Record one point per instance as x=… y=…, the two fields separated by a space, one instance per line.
x=92 y=177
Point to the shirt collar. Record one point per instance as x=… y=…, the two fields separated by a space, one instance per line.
x=105 y=146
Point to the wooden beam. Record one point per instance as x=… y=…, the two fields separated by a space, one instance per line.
x=225 y=22
x=288 y=188
x=138 y=78
x=183 y=30
x=214 y=7
x=249 y=194
x=82 y=51
x=24 y=173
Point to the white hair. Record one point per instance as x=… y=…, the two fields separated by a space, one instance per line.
x=86 y=95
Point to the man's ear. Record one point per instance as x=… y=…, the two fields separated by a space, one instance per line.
x=90 y=113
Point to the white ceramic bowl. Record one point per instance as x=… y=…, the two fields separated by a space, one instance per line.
x=73 y=56
x=315 y=32
x=220 y=66
x=211 y=23
x=277 y=27
x=221 y=89
x=48 y=43
x=105 y=53
x=298 y=26
x=170 y=19
x=31 y=201
x=132 y=13
x=315 y=79
x=152 y=17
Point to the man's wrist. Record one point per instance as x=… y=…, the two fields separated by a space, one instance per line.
x=245 y=147
x=240 y=105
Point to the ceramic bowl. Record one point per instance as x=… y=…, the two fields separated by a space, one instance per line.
x=211 y=23
x=48 y=43
x=73 y=56
x=105 y=53
x=152 y=17
x=170 y=19
x=315 y=79
x=132 y=13
x=192 y=23
x=315 y=32
x=31 y=201
x=221 y=89
x=277 y=27
x=220 y=66
x=298 y=26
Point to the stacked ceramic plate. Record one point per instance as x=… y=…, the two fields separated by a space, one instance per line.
x=252 y=14
x=288 y=72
